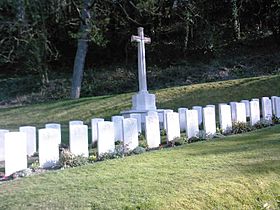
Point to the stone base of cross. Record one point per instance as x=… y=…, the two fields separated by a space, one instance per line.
x=144 y=101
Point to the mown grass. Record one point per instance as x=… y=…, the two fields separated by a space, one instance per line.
x=106 y=106
x=236 y=172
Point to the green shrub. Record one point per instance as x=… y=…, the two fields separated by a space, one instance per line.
x=241 y=127
x=262 y=124
x=69 y=160
x=139 y=150
x=275 y=120
x=142 y=140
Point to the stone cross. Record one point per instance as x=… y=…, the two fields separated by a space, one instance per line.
x=141 y=40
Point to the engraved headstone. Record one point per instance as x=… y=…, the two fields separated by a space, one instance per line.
x=94 y=122
x=130 y=134
x=172 y=126
x=79 y=140
x=240 y=112
x=254 y=112
x=152 y=131
x=209 y=120
x=117 y=120
x=225 y=118
x=30 y=138
x=105 y=137
x=2 y=143
x=138 y=118
x=199 y=111
x=192 y=123
x=55 y=126
x=182 y=118
x=266 y=109
x=247 y=106
x=15 y=152
x=48 y=147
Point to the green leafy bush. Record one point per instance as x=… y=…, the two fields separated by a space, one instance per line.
x=262 y=124
x=139 y=150
x=241 y=127
x=69 y=160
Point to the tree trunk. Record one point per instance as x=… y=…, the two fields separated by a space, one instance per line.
x=81 y=53
x=236 y=22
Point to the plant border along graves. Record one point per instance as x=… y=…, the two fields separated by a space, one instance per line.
x=68 y=160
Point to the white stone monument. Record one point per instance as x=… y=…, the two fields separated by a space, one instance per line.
x=172 y=126
x=105 y=137
x=192 y=123
x=130 y=134
x=182 y=118
x=143 y=101
x=139 y=120
x=266 y=109
x=94 y=122
x=48 y=147
x=31 y=138
x=15 y=152
x=240 y=112
x=209 y=120
x=117 y=120
x=254 y=112
x=78 y=140
x=277 y=107
x=76 y=122
x=152 y=131
x=247 y=105
x=55 y=126
x=2 y=143
x=199 y=111
x=233 y=111
x=225 y=118
x=273 y=101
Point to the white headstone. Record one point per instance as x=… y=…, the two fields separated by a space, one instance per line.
x=247 y=106
x=138 y=118
x=94 y=122
x=31 y=139
x=273 y=102
x=199 y=111
x=225 y=118
x=55 y=126
x=130 y=134
x=15 y=152
x=105 y=137
x=254 y=112
x=165 y=112
x=76 y=122
x=152 y=113
x=240 y=112
x=48 y=147
x=277 y=107
x=182 y=118
x=152 y=131
x=192 y=128
x=256 y=99
x=209 y=120
x=117 y=120
x=2 y=144
x=78 y=140
x=233 y=111
x=266 y=108
x=172 y=126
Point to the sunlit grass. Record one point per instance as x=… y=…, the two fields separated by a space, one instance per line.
x=237 y=172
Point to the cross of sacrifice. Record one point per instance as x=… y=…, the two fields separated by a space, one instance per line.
x=141 y=40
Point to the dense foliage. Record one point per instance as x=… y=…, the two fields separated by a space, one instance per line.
x=41 y=36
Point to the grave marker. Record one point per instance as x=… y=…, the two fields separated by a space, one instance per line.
x=172 y=126
x=55 y=126
x=182 y=118
x=240 y=112
x=254 y=112
x=48 y=147
x=130 y=134
x=30 y=138
x=247 y=106
x=199 y=111
x=266 y=109
x=192 y=128
x=209 y=120
x=15 y=152
x=2 y=144
x=225 y=118
x=78 y=140
x=94 y=122
x=152 y=131
x=139 y=120
x=105 y=137
x=117 y=120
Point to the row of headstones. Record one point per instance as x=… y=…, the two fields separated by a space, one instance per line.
x=15 y=146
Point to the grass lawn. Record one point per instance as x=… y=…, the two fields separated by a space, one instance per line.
x=236 y=172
